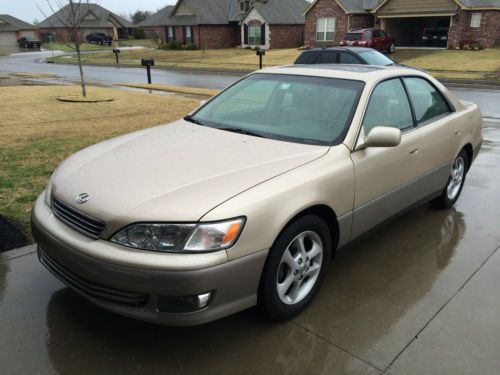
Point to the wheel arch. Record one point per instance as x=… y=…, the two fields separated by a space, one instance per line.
x=470 y=154
x=326 y=213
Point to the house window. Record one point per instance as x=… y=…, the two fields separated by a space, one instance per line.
x=244 y=5
x=254 y=35
x=188 y=34
x=475 y=20
x=325 y=28
x=170 y=33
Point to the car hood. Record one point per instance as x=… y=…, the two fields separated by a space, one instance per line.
x=176 y=172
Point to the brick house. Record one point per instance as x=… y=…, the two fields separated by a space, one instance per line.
x=273 y=24
x=215 y=24
x=12 y=29
x=95 y=19
x=465 y=21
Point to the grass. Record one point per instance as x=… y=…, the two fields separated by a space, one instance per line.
x=483 y=65
x=37 y=136
x=83 y=47
x=34 y=75
x=178 y=89
x=3 y=53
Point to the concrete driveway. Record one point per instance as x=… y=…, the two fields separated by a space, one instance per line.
x=420 y=296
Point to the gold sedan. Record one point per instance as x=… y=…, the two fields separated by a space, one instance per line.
x=245 y=200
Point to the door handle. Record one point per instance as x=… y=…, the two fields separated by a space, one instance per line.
x=414 y=151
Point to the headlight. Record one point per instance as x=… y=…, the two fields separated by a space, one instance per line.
x=181 y=237
x=48 y=192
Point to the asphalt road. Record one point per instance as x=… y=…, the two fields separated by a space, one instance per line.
x=31 y=63
x=419 y=296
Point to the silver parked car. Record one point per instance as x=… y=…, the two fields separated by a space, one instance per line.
x=245 y=200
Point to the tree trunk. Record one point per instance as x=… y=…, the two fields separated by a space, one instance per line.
x=82 y=79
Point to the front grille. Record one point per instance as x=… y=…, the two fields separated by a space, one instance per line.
x=91 y=289
x=82 y=223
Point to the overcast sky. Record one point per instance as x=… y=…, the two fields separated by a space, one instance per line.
x=27 y=10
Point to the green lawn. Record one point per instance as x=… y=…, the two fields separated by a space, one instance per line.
x=442 y=63
x=37 y=136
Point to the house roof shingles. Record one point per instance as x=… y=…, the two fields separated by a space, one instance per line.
x=366 y=6
x=102 y=18
x=282 y=12
x=13 y=24
x=221 y=12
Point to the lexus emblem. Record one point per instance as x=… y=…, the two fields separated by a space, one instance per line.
x=82 y=198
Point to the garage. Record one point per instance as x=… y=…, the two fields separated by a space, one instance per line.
x=7 y=39
x=418 y=31
x=423 y=23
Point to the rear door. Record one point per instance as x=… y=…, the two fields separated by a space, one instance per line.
x=387 y=178
x=441 y=134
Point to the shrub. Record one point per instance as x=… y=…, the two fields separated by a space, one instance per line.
x=190 y=47
x=139 y=33
x=471 y=45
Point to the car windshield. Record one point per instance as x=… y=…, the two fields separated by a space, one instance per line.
x=375 y=58
x=353 y=36
x=303 y=109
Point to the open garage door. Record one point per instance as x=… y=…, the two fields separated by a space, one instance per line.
x=418 y=31
x=8 y=39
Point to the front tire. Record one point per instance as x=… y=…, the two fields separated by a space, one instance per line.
x=455 y=183
x=295 y=268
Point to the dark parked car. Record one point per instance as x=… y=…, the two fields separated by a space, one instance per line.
x=435 y=36
x=99 y=38
x=28 y=42
x=344 y=55
x=372 y=38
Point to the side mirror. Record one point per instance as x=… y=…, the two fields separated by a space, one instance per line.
x=381 y=136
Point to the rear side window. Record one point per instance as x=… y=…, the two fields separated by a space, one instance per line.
x=328 y=58
x=388 y=106
x=347 y=58
x=307 y=58
x=367 y=35
x=427 y=100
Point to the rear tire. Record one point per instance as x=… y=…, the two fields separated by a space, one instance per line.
x=295 y=268
x=455 y=183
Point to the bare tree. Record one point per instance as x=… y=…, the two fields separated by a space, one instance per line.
x=139 y=15
x=69 y=16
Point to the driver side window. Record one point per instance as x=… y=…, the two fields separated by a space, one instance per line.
x=388 y=106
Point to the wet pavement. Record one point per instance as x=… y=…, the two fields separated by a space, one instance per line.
x=32 y=62
x=420 y=296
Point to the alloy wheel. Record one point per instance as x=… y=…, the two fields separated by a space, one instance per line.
x=299 y=268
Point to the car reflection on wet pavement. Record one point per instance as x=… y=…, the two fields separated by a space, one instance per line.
x=420 y=296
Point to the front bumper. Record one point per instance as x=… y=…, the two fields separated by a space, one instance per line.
x=130 y=284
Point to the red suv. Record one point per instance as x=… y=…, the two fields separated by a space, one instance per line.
x=374 y=38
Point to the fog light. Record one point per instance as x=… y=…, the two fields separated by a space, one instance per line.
x=184 y=304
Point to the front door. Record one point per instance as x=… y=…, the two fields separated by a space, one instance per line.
x=387 y=178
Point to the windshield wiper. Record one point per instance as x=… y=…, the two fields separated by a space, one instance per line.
x=242 y=131
x=193 y=120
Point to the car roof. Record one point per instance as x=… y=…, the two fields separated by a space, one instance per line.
x=339 y=48
x=366 y=73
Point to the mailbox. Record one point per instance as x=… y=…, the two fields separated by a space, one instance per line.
x=116 y=50
x=148 y=62
x=260 y=52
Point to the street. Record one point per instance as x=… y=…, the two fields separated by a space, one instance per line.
x=31 y=63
